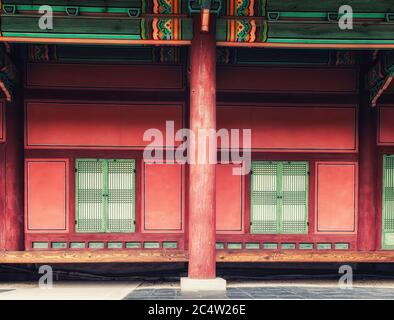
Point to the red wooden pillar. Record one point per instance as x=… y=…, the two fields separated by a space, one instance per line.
x=2 y=194
x=11 y=181
x=202 y=229
x=367 y=218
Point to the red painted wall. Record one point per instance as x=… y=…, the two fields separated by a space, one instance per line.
x=336 y=197
x=386 y=126
x=46 y=195
x=101 y=125
x=229 y=199
x=71 y=235
x=290 y=128
x=103 y=77
x=163 y=197
x=286 y=79
x=72 y=130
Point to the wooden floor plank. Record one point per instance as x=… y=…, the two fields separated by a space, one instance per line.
x=92 y=256
x=148 y=256
x=307 y=257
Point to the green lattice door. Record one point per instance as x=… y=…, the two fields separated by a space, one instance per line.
x=388 y=203
x=279 y=197
x=105 y=195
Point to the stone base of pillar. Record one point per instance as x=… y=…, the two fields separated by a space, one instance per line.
x=198 y=285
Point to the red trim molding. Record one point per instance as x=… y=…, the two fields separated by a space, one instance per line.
x=167 y=199
x=336 y=198
x=287 y=79
x=294 y=128
x=97 y=125
x=385 y=135
x=106 y=77
x=46 y=195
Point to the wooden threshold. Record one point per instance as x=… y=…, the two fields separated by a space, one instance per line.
x=151 y=256
x=307 y=257
x=92 y=256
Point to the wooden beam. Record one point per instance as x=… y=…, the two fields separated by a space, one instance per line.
x=96 y=41
x=307 y=257
x=368 y=159
x=157 y=256
x=188 y=42
x=305 y=45
x=92 y=256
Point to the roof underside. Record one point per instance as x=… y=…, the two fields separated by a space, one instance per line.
x=271 y=23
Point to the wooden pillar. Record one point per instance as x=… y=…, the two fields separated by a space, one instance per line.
x=14 y=178
x=367 y=218
x=202 y=224
x=2 y=192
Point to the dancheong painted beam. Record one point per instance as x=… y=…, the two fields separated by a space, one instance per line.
x=267 y=23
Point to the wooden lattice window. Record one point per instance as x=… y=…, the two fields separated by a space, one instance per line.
x=279 y=197
x=105 y=195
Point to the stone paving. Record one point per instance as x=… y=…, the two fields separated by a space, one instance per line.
x=277 y=293
x=375 y=289
x=68 y=290
x=5 y=290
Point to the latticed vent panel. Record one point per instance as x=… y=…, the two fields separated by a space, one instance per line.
x=90 y=189
x=264 y=198
x=279 y=197
x=388 y=203
x=121 y=196
x=105 y=195
x=294 y=197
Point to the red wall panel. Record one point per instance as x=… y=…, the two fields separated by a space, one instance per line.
x=294 y=128
x=104 y=77
x=81 y=125
x=229 y=195
x=336 y=197
x=46 y=195
x=386 y=126
x=163 y=200
x=276 y=79
x=2 y=122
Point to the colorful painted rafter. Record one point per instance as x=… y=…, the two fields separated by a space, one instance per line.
x=292 y=23
x=166 y=28
x=242 y=28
